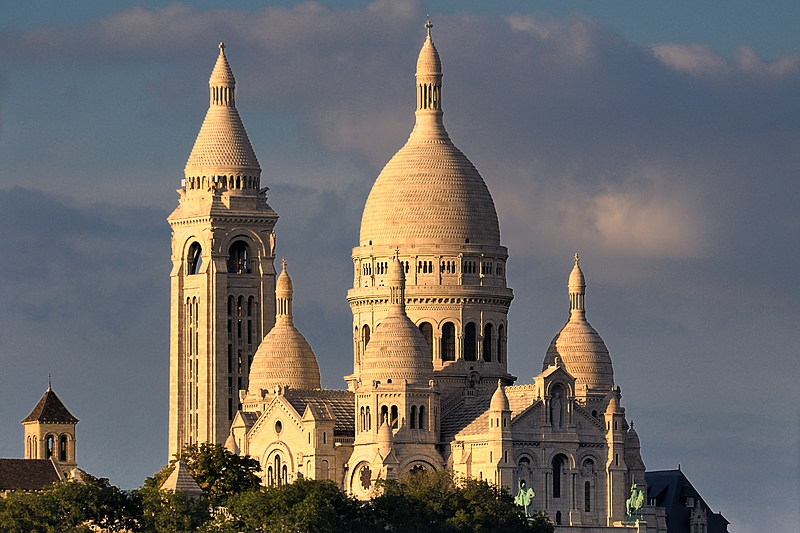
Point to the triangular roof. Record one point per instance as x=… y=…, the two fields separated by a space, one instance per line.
x=670 y=489
x=181 y=479
x=50 y=409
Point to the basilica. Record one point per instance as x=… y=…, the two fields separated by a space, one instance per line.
x=429 y=387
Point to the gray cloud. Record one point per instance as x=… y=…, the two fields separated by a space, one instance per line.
x=670 y=168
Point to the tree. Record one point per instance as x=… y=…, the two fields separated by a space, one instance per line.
x=437 y=502
x=70 y=506
x=302 y=506
x=219 y=472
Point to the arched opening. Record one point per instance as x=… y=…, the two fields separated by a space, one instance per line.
x=62 y=448
x=384 y=415
x=323 y=470
x=369 y=420
x=500 y=342
x=587 y=497
x=394 y=421
x=365 y=335
x=195 y=258
x=448 y=342
x=470 y=342
x=488 y=331
x=413 y=417
x=558 y=470
x=238 y=258
x=423 y=421
x=427 y=332
x=49 y=446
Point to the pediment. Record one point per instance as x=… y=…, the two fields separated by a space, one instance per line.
x=529 y=417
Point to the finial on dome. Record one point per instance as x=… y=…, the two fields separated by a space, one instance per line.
x=577 y=287
x=577 y=259
x=283 y=263
x=49 y=383
x=221 y=48
x=429 y=26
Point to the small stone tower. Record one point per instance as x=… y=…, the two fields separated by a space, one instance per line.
x=223 y=274
x=50 y=432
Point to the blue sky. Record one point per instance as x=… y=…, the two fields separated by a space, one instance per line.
x=658 y=139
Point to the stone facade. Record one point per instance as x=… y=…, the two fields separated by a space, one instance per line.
x=429 y=387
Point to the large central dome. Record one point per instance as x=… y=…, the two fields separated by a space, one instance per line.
x=429 y=192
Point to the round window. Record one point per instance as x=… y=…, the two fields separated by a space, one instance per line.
x=278 y=426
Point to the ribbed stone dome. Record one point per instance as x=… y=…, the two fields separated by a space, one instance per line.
x=222 y=144
x=582 y=350
x=284 y=357
x=429 y=192
x=397 y=350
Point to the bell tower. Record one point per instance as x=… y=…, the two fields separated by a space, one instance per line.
x=50 y=432
x=223 y=274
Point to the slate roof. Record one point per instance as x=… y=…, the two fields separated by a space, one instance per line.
x=467 y=414
x=181 y=479
x=670 y=489
x=249 y=418
x=50 y=409
x=340 y=403
x=27 y=474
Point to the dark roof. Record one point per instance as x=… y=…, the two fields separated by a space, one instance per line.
x=340 y=403
x=459 y=418
x=27 y=474
x=670 y=490
x=50 y=409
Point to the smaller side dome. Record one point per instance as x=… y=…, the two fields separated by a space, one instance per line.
x=580 y=347
x=397 y=350
x=632 y=439
x=284 y=356
x=499 y=399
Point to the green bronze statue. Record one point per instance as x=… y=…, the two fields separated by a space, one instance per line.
x=524 y=497
x=633 y=505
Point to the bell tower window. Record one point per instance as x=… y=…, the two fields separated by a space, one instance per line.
x=238 y=258
x=427 y=332
x=487 y=342
x=195 y=258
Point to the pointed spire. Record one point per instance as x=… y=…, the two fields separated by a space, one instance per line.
x=429 y=77
x=577 y=288
x=499 y=398
x=396 y=280
x=283 y=296
x=222 y=84
x=222 y=155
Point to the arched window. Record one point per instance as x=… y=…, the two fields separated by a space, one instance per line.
x=394 y=421
x=558 y=467
x=277 y=463
x=49 y=446
x=369 y=420
x=384 y=415
x=62 y=448
x=238 y=258
x=270 y=477
x=427 y=332
x=323 y=470
x=423 y=421
x=195 y=258
x=365 y=335
x=500 y=342
x=413 y=417
x=470 y=342
x=362 y=422
x=487 y=342
x=587 y=497
x=448 y=342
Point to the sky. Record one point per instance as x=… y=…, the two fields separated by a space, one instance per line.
x=660 y=140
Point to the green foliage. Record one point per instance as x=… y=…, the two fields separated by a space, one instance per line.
x=440 y=502
x=219 y=473
x=69 y=506
x=300 y=507
x=167 y=512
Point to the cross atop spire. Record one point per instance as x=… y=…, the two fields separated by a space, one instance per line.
x=222 y=47
x=577 y=259
x=429 y=25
